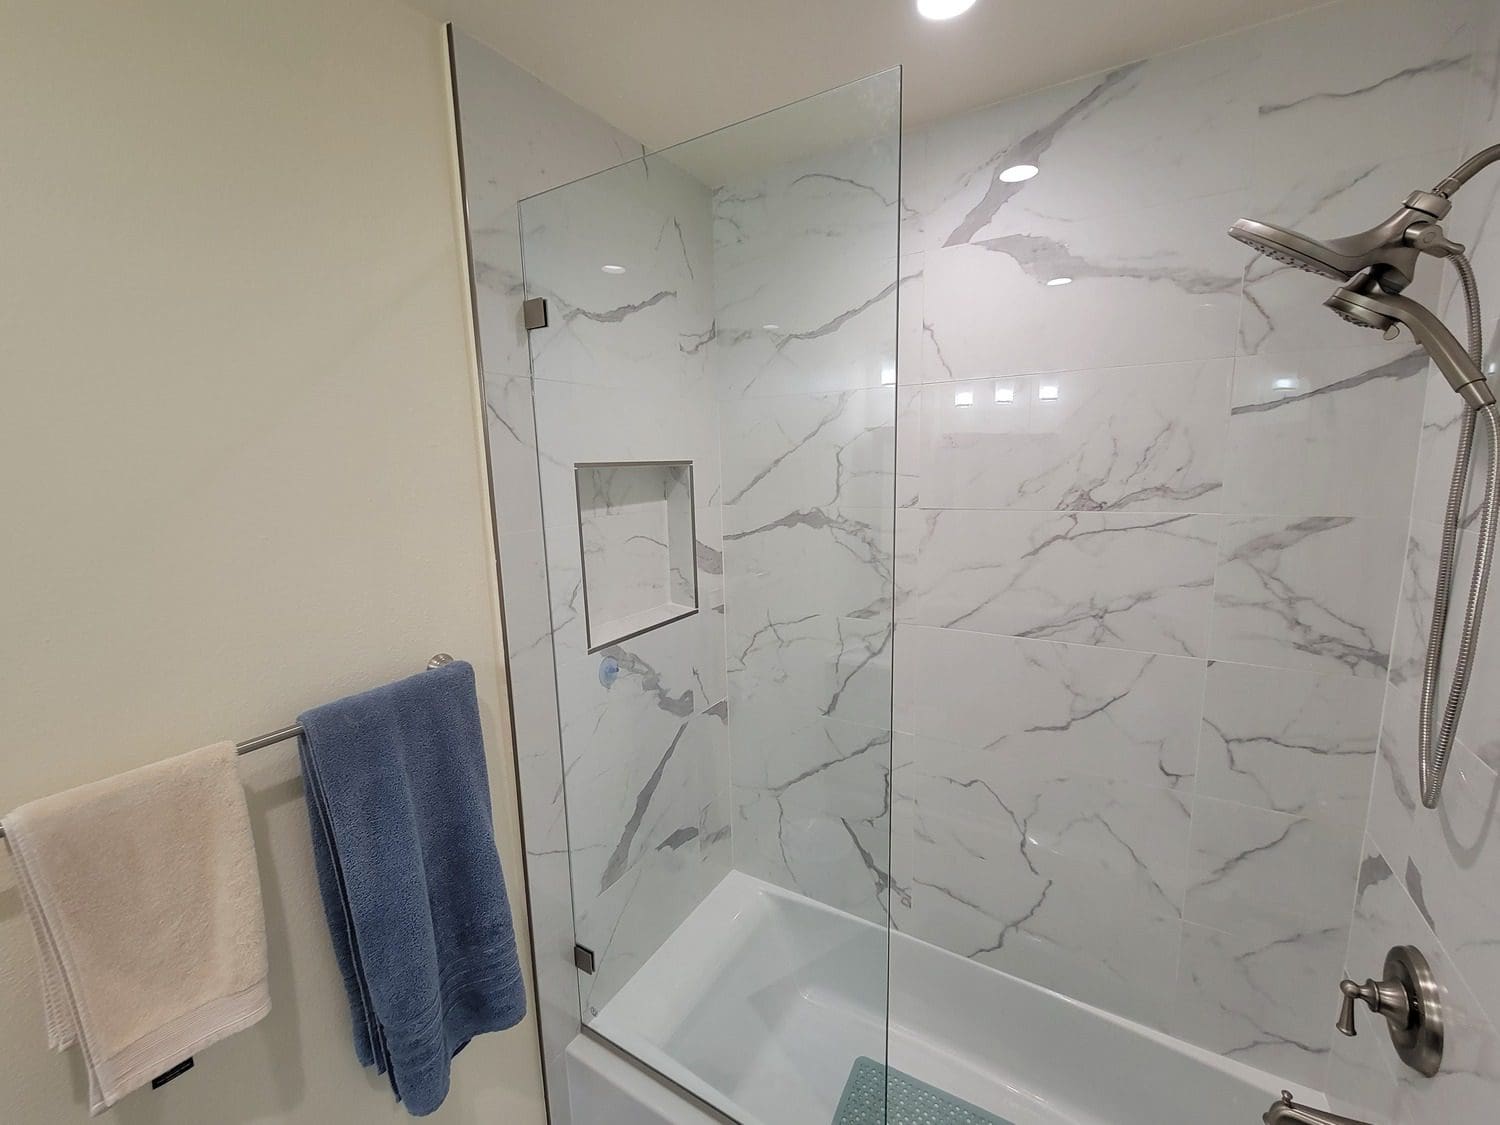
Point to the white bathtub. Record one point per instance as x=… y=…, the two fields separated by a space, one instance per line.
x=760 y=1002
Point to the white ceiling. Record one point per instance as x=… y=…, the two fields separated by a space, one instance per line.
x=667 y=70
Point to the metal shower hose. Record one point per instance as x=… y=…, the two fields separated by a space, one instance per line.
x=1432 y=755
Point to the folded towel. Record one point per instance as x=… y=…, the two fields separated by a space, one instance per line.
x=145 y=904
x=399 y=801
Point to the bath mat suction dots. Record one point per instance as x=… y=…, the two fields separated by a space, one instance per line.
x=910 y=1102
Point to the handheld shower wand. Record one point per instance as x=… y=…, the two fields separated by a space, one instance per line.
x=1373 y=268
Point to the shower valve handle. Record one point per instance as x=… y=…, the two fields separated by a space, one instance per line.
x=1388 y=998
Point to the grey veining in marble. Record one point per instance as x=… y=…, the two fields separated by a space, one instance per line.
x=1311 y=592
x=1116 y=580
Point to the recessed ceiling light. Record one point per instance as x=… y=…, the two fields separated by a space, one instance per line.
x=888 y=375
x=1046 y=391
x=1004 y=394
x=1285 y=384
x=771 y=327
x=1016 y=173
x=613 y=269
x=1059 y=281
x=963 y=398
x=943 y=9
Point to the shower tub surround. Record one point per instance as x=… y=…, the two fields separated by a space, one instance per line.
x=1154 y=527
x=1152 y=524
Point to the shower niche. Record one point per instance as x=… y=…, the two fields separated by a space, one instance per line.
x=636 y=537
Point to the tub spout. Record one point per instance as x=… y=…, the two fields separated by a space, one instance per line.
x=1287 y=1112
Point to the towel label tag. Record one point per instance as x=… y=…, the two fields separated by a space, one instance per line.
x=177 y=1071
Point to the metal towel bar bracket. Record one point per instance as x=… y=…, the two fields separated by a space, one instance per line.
x=271 y=738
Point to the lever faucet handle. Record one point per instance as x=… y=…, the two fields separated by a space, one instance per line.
x=1352 y=991
x=1386 y=998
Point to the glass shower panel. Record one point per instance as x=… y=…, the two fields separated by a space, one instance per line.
x=715 y=426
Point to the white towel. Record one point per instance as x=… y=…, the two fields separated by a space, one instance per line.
x=144 y=900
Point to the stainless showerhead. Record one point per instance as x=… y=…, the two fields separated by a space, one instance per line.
x=1292 y=249
x=1365 y=301
x=1392 y=246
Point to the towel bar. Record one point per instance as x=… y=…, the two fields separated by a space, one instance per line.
x=259 y=742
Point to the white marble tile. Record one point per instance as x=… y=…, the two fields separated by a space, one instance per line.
x=1315 y=593
x=1148 y=438
x=1102 y=578
x=1266 y=1003
x=911 y=301
x=631 y=753
x=836 y=767
x=806 y=274
x=795 y=452
x=1175 y=127
x=512 y=444
x=1325 y=433
x=1393 y=793
x=1452 y=871
x=1414 y=608
x=1105 y=836
x=627 y=923
x=1254 y=872
x=1092 y=711
x=1163 y=287
x=974 y=893
x=1293 y=742
x=1442 y=419
x=1345 y=81
x=646 y=328
x=786 y=672
x=520 y=137
x=908 y=458
x=835 y=859
x=576 y=422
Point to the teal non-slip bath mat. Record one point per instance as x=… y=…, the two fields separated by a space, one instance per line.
x=870 y=1099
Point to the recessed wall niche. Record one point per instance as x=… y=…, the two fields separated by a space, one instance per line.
x=635 y=528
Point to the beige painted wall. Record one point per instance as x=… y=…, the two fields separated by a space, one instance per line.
x=240 y=461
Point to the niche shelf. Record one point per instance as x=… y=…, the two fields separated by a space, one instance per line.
x=637 y=539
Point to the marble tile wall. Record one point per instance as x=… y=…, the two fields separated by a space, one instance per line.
x=804 y=361
x=1430 y=878
x=620 y=374
x=1152 y=564
x=519 y=138
x=1153 y=523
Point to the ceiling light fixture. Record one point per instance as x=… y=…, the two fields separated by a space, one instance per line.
x=1046 y=392
x=1005 y=394
x=943 y=9
x=613 y=269
x=963 y=398
x=1018 y=173
x=1060 y=281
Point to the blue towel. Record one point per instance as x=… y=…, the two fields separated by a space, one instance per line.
x=399 y=801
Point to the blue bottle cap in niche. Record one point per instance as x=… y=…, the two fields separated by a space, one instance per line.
x=609 y=671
